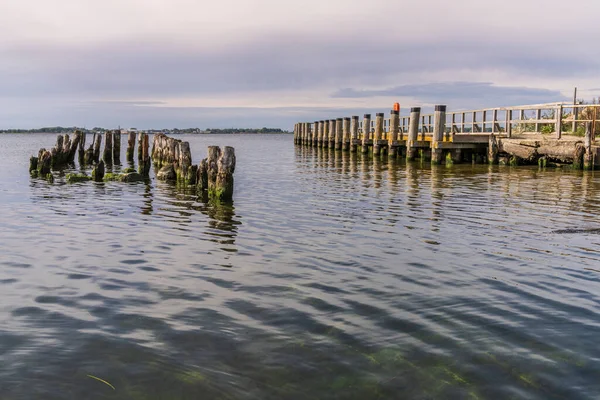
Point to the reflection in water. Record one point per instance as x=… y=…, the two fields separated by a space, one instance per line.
x=349 y=278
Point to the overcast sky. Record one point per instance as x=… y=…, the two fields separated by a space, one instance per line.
x=238 y=63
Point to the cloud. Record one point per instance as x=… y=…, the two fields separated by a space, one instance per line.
x=152 y=57
x=461 y=93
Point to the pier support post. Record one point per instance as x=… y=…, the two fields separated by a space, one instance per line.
x=332 y=132
x=296 y=133
x=366 y=133
x=378 y=134
x=439 y=127
x=493 y=150
x=353 y=133
x=588 y=158
x=339 y=133
x=346 y=134
x=321 y=133
x=315 y=138
x=306 y=133
x=394 y=129
x=326 y=126
x=413 y=132
x=303 y=137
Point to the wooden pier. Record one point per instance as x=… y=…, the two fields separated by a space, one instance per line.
x=546 y=134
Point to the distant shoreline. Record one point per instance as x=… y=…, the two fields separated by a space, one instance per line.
x=152 y=131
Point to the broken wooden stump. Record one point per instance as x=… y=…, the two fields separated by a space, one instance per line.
x=169 y=151
x=130 y=147
x=140 y=144
x=108 y=148
x=44 y=164
x=215 y=173
x=116 y=150
x=81 y=147
x=144 y=167
x=98 y=172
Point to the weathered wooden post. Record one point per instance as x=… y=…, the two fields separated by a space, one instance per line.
x=140 y=146
x=44 y=163
x=493 y=150
x=215 y=173
x=366 y=133
x=117 y=147
x=559 y=119
x=326 y=134
x=588 y=160
x=108 y=148
x=339 y=133
x=394 y=129
x=315 y=138
x=378 y=134
x=439 y=126
x=346 y=134
x=97 y=145
x=296 y=133
x=82 y=137
x=98 y=171
x=413 y=132
x=306 y=133
x=332 y=132
x=353 y=133
x=130 y=146
x=144 y=167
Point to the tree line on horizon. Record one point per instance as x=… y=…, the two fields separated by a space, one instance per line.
x=61 y=129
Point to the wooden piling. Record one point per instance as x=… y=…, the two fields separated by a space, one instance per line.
x=439 y=126
x=493 y=150
x=346 y=134
x=378 y=135
x=108 y=148
x=98 y=171
x=140 y=146
x=339 y=133
x=413 y=132
x=144 y=167
x=97 y=146
x=319 y=134
x=353 y=133
x=296 y=133
x=130 y=147
x=117 y=147
x=588 y=158
x=215 y=173
x=332 y=133
x=81 y=155
x=326 y=134
x=366 y=133
x=394 y=130
x=315 y=138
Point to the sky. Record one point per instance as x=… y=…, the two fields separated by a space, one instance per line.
x=254 y=63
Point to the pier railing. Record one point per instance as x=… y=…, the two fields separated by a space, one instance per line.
x=546 y=119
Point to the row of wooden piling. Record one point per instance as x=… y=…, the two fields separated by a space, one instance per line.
x=63 y=155
x=213 y=175
x=343 y=134
x=435 y=142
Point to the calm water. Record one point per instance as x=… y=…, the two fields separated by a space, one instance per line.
x=330 y=277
